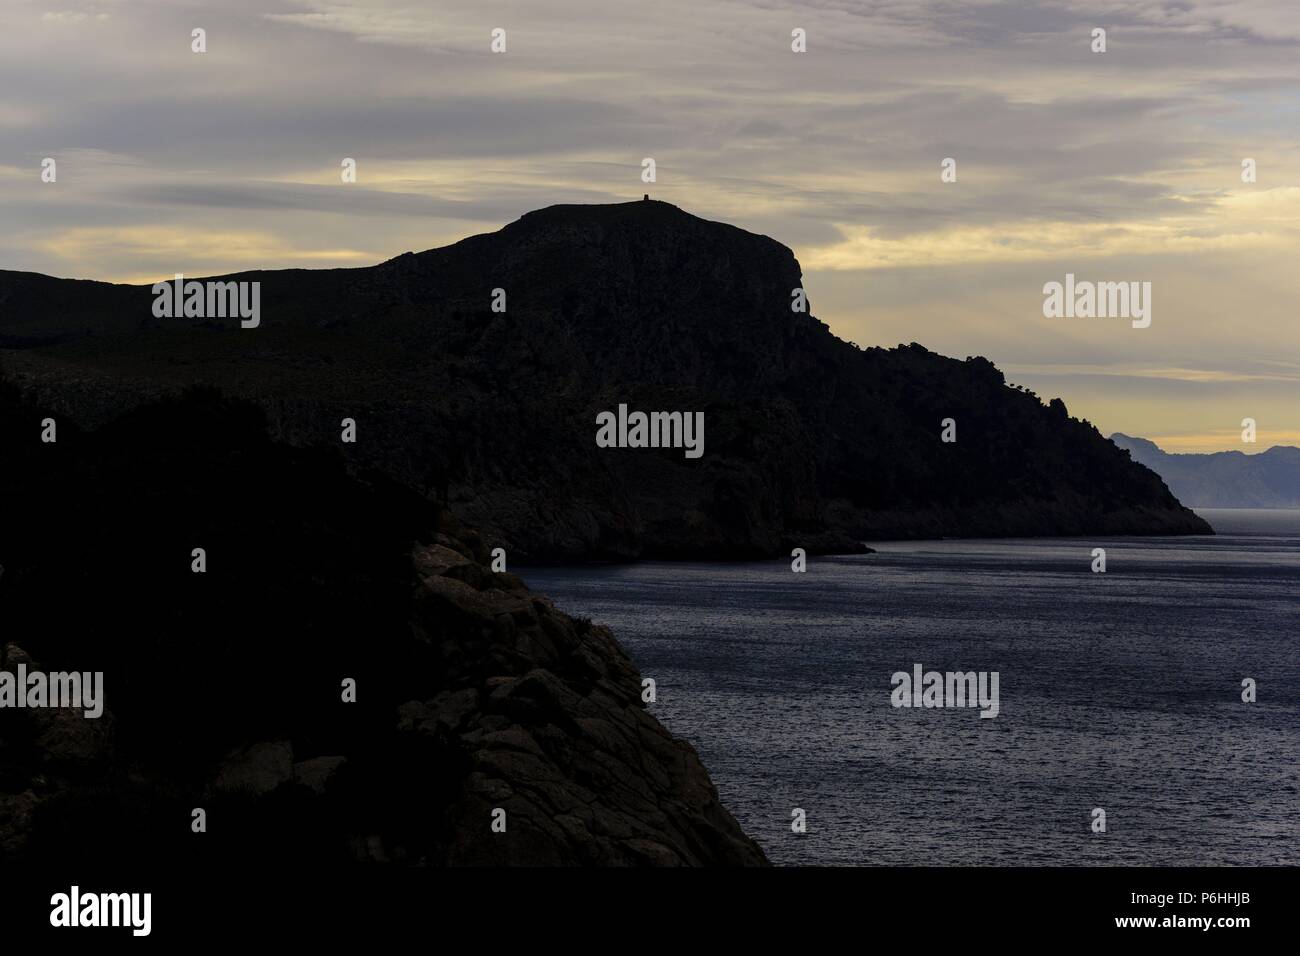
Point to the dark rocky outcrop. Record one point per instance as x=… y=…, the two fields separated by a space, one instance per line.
x=223 y=690
x=810 y=441
x=1224 y=479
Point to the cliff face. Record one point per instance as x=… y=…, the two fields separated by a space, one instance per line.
x=809 y=440
x=1225 y=479
x=223 y=690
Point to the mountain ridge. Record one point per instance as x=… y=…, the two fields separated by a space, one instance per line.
x=1223 y=479
x=811 y=441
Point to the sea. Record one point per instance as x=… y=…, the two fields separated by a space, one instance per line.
x=1122 y=735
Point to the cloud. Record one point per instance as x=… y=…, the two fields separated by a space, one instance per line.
x=1127 y=162
x=192 y=251
x=1167 y=374
x=1264 y=219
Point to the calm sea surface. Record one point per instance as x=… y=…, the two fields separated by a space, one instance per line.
x=1119 y=690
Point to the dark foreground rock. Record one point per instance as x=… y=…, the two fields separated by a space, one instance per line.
x=224 y=690
x=546 y=712
x=809 y=441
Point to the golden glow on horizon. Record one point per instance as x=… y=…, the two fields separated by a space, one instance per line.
x=194 y=252
x=1268 y=219
x=1223 y=441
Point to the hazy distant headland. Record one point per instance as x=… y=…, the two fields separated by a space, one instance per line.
x=478 y=374
x=1224 y=479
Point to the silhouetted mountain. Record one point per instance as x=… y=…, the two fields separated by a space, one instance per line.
x=1223 y=479
x=809 y=441
x=223 y=690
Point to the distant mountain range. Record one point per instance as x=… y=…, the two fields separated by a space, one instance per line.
x=476 y=373
x=1224 y=479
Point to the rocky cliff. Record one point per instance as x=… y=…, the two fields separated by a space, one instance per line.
x=224 y=689
x=810 y=441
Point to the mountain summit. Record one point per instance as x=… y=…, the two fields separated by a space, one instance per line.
x=476 y=373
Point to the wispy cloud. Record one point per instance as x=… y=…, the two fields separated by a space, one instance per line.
x=1167 y=374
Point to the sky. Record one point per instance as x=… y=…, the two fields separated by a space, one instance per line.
x=1122 y=166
